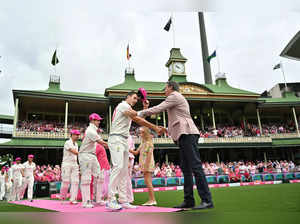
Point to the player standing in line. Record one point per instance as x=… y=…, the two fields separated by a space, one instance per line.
x=28 y=180
x=70 y=168
x=17 y=176
x=2 y=183
x=89 y=165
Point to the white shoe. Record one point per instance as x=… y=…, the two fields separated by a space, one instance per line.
x=88 y=205
x=150 y=203
x=113 y=206
x=74 y=202
x=128 y=206
x=101 y=203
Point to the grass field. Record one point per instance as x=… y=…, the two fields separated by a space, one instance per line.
x=267 y=203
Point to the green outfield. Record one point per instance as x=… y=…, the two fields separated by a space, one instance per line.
x=281 y=200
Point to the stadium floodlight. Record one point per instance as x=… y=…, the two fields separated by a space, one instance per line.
x=292 y=49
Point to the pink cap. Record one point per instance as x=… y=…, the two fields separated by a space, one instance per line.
x=95 y=116
x=31 y=156
x=18 y=159
x=75 y=132
x=143 y=94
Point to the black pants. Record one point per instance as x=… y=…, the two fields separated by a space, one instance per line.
x=190 y=164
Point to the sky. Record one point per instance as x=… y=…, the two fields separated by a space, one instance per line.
x=91 y=39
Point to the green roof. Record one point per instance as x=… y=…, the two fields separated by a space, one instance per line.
x=131 y=84
x=22 y=142
x=54 y=89
x=6 y=117
x=222 y=87
x=288 y=98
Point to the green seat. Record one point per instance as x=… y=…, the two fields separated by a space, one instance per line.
x=133 y=183
x=158 y=182
x=58 y=185
x=140 y=183
x=243 y=178
x=182 y=180
x=211 y=179
x=172 y=181
x=257 y=177
x=268 y=177
x=278 y=176
x=289 y=176
x=297 y=176
x=223 y=179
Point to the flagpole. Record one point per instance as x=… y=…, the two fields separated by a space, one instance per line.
x=218 y=60
x=173 y=29
x=281 y=67
x=55 y=72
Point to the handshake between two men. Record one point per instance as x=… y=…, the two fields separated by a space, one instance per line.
x=141 y=121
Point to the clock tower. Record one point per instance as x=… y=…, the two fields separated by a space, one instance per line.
x=176 y=66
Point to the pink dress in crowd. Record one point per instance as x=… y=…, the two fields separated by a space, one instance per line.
x=104 y=164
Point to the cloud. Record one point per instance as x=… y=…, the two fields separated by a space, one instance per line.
x=92 y=39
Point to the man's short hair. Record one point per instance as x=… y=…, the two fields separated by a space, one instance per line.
x=173 y=85
x=131 y=93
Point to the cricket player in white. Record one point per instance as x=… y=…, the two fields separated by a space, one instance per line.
x=9 y=184
x=118 y=147
x=70 y=168
x=28 y=180
x=17 y=176
x=2 y=183
x=89 y=164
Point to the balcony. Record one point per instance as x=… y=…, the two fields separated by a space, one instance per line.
x=163 y=140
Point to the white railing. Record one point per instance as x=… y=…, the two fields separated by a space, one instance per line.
x=285 y=135
x=49 y=135
x=236 y=140
x=163 y=140
x=6 y=129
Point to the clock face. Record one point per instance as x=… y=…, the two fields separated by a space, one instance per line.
x=178 y=67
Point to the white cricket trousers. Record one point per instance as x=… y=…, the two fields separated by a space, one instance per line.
x=70 y=174
x=17 y=188
x=118 y=147
x=89 y=166
x=130 y=197
x=2 y=189
x=28 y=183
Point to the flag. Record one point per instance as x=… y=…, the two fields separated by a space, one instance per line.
x=277 y=66
x=168 y=25
x=54 y=60
x=213 y=55
x=128 y=55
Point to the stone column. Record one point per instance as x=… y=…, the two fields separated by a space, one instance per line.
x=202 y=121
x=16 y=117
x=258 y=119
x=295 y=120
x=109 y=116
x=213 y=117
x=66 y=119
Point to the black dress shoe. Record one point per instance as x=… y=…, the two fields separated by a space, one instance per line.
x=185 y=205
x=204 y=205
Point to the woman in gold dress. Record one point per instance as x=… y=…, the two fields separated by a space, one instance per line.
x=146 y=161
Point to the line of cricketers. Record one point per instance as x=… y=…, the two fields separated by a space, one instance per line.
x=21 y=175
x=15 y=180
